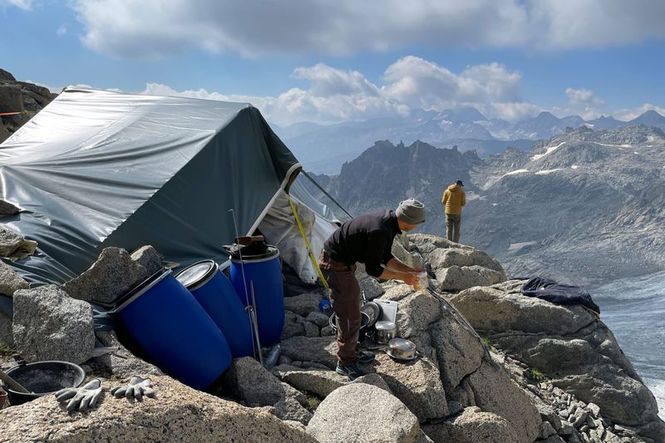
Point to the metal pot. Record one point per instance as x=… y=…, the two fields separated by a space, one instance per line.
x=402 y=349
x=385 y=331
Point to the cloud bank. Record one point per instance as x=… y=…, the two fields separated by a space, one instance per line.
x=409 y=83
x=153 y=28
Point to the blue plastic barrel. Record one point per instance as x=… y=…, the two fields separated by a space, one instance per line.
x=264 y=273
x=213 y=290
x=174 y=331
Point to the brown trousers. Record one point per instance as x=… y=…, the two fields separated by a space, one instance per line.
x=345 y=299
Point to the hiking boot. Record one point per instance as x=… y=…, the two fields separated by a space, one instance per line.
x=351 y=370
x=365 y=358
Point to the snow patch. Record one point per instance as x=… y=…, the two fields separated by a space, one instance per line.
x=635 y=152
x=549 y=150
x=518 y=171
x=518 y=246
x=548 y=171
x=614 y=146
x=574 y=167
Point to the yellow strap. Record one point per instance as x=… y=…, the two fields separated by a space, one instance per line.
x=307 y=244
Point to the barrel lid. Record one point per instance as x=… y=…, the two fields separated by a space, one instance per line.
x=269 y=253
x=196 y=273
x=140 y=289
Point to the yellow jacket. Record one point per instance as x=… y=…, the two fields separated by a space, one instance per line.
x=453 y=199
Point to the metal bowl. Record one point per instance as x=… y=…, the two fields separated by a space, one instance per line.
x=385 y=331
x=402 y=349
x=373 y=311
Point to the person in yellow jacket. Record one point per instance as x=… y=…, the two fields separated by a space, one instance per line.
x=453 y=199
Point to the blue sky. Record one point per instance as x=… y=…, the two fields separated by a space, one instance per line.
x=332 y=61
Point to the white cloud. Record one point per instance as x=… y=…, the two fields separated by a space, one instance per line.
x=21 y=4
x=153 y=28
x=582 y=102
x=62 y=31
x=491 y=88
x=335 y=95
x=629 y=114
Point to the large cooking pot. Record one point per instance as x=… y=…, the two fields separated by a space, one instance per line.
x=385 y=331
x=402 y=349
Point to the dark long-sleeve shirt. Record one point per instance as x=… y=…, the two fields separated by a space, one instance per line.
x=366 y=239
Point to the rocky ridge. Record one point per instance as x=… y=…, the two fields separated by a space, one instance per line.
x=583 y=208
x=510 y=383
x=25 y=99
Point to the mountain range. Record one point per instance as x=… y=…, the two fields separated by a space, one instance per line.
x=324 y=148
x=584 y=207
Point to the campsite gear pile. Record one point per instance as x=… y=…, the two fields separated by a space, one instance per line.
x=41 y=378
x=378 y=330
x=194 y=323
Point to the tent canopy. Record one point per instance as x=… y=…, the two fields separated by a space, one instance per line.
x=96 y=169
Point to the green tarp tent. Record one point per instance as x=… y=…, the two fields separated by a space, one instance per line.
x=96 y=169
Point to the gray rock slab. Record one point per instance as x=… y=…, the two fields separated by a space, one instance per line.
x=318 y=318
x=311 y=330
x=473 y=426
x=363 y=413
x=303 y=304
x=10 y=281
x=50 y=325
x=252 y=383
x=416 y=313
x=6 y=335
x=179 y=413
x=317 y=349
x=448 y=257
x=317 y=381
x=428 y=243
x=416 y=383
x=148 y=257
x=290 y=409
x=456 y=278
x=458 y=350
x=14 y=246
x=494 y=310
x=109 y=278
x=371 y=287
x=374 y=380
x=494 y=391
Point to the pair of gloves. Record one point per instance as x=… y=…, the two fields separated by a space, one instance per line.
x=86 y=396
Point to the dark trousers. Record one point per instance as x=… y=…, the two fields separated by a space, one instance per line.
x=345 y=299
x=453 y=223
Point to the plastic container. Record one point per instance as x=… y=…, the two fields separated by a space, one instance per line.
x=174 y=331
x=213 y=290
x=263 y=272
x=43 y=378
